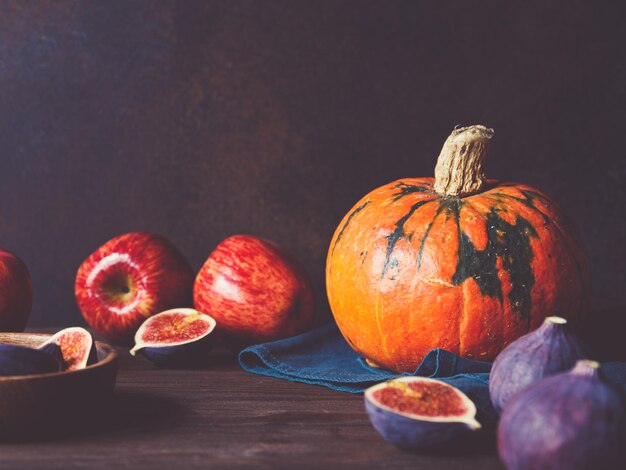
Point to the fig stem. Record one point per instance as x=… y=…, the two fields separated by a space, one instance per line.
x=459 y=167
x=473 y=424
x=586 y=367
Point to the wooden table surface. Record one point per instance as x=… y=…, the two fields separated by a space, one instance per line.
x=223 y=417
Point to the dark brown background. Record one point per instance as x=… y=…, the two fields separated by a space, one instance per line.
x=199 y=120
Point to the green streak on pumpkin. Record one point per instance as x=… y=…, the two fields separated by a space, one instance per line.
x=397 y=234
x=406 y=189
x=447 y=205
x=345 y=225
x=510 y=243
x=529 y=201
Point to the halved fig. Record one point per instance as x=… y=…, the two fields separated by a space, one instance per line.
x=175 y=338
x=417 y=413
x=21 y=360
x=77 y=346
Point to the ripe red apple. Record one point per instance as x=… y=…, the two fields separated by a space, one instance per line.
x=255 y=290
x=16 y=292
x=128 y=279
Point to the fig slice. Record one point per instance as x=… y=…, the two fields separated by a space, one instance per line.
x=418 y=413
x=176 y=337
x=77 y=346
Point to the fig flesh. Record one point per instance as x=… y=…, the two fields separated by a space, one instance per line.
x=417 y=413
x=175 y=338
x=21 y=360
x=78 y=349
x=548 y=350
x=572 y=420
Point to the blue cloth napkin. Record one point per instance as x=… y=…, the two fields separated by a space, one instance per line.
x=322 y=357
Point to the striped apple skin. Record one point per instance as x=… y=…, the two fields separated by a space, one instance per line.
x=255 y=290
x=128 y=279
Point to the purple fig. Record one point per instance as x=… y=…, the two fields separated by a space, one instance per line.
x=573 y=420
x=175 y=338
x=77 y=347
x=548 y=350
x=54 y=350
x=21 y=360
x=417 y=413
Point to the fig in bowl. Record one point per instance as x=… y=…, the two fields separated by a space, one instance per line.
x=76 y=346
x=53 y=402
x=175 y=338
x=21 y=360
x=418 y=413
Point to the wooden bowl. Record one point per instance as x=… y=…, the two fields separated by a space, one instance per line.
x=41 y=404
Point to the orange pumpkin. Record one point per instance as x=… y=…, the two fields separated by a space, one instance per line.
x=454 y=262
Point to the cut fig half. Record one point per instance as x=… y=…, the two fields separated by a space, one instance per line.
x=77 y=347
x=416 y=413
x=175 y=338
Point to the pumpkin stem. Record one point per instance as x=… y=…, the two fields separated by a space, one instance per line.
x=459 y=166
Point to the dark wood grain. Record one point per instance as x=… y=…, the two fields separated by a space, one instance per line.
x=223 y=417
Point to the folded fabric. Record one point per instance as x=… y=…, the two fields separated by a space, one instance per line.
x=322 y=357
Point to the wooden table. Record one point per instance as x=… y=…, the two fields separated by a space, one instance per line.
x=223 y=417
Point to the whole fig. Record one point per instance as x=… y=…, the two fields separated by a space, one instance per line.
x=548 y=350
x=21 y=360
x=573 y=420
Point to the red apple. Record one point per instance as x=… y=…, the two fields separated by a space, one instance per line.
x=16 y=292
x=255 y=290
x=128 y=279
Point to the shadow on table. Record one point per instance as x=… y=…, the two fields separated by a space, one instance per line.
x=127 y=412
x=219 y=358
x=479 y=443
x=136 y=411
x=223 y=355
